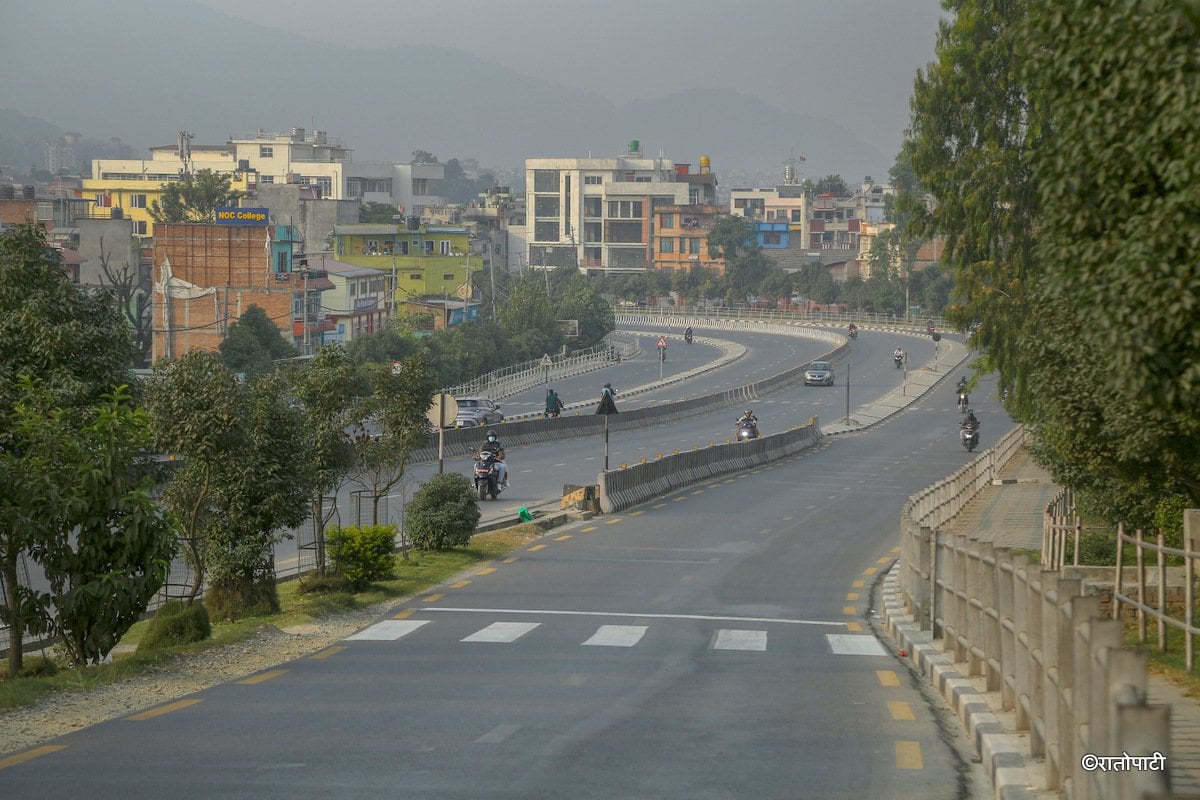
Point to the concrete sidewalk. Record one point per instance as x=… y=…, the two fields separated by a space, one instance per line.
x=1009 y=514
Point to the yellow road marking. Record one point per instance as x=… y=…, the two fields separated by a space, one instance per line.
x=405 y=614
x=851 y=610
x=510 y=560
x=614 y=521
x=679 y=499
x=884 y=560
x=589 y=529
x=536 y=547
x=562 y=538
x=908 y=755
x=887 y=677
x=637 y=513
x=433 y=598
x=895 y=549
x=858 y=584
x=698 y=491
x=852 y=596
x=262 y=677
x=728 y=480
x=460 y=584
x=714 y=485
x=326 y=653
x=158 y=712
x=869 y=571
x=659 y=505
x=854 y=627
x=29 y=755
x=900 y=710
x=487 y=570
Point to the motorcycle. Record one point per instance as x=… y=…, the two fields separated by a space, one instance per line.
x=970 y=436
x=487 y=475
x=687 y=337
x=551 y=413
x=853 y=333
x=747 y=431
x=962 y=402
x=899 y=359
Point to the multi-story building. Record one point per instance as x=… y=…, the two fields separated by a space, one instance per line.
x=422 y=260
x=255 y=159
x=780 y=219
x=598 y=214
x=681 y=237
x=207 y=276
x=357 y=303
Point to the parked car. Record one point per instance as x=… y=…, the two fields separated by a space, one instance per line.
x=476 y=411
x=819 y=373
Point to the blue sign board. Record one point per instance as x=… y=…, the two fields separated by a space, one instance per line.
x=243 y=216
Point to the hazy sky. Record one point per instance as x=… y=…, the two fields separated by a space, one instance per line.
x=852 y=61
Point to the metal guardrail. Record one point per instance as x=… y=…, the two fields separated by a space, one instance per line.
x=776 y=315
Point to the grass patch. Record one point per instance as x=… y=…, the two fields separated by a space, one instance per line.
x=1171 y=665
x=418 y=572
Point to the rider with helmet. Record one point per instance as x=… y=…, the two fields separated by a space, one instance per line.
x=493 y=446
x=748 y=420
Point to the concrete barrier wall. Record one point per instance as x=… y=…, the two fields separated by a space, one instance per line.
x=637 y=483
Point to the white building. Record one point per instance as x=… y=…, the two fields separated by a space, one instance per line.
x=597 y=214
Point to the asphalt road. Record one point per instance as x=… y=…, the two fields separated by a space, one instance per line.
x=712 y=644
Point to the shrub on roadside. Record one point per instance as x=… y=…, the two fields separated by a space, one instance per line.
x=363 y=555
x=177 y=623
x=443 y=513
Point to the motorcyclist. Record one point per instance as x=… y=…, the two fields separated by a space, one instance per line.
x=971 y=419
x=898 y=355
x=687 y=334
x=853 y=330
x=493 y=447
x=961 y=391
x=554 y=405
x=748 y=420
x=608 y=390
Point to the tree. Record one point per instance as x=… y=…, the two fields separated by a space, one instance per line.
x=731 y=237
x=832 y=184
x=194 y=198
x=423 y=157
x=398 y=402
x=382 y=213
x=327 y=388
x=75 y=346
x=253 y=343
x=577 y=299
x=133 y=299
x=443 y=513
x=776 y=285
x=113 y=549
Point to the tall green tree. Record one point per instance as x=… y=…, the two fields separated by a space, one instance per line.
x=382 y=213
x=75 y=346
x=832 y=184
x=194 y=198
x=253 y=342
x=113 y=550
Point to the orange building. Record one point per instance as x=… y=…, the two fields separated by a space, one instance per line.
x=207 y=276
x=681 y=237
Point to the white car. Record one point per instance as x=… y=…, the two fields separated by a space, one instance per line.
x=819 y=373
x=477 y=412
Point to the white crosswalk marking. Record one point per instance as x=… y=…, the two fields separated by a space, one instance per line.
x=728 y=639
x=388 y=630
x=849 y=644
x=502 y=632
x=617 y=635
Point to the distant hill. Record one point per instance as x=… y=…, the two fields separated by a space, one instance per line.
x=21 y=139
x=187 y=67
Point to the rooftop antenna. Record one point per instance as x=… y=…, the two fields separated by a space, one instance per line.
x=185 y=150
x=791 y=174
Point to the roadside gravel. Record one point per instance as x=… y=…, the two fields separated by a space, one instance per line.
x=63 y=712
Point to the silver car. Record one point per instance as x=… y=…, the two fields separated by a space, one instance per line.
x=819 y=373
x=477 y=411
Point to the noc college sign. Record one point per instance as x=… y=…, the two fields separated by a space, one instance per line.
x=243 y=216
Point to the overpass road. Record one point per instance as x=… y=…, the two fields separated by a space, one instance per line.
x=716 y=643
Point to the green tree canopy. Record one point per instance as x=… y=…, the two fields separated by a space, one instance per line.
x=253 y=342
x=194 y=198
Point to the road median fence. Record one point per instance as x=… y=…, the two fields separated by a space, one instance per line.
x=981 y=620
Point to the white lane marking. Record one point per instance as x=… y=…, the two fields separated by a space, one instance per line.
x=498 y=734
x=617 y=635
x=728 y=639
x=388 y=630
x=848 y=644
x=624 y=614
x=502 y=632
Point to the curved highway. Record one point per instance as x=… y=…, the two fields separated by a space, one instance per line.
x=712 y=644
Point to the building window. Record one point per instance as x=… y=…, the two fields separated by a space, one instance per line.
x=447 y=276
x=545 y=180
x=592 y=180
x=266 y=178
x=420 y=186
x=693 y=196
x=545 y=231
x=625 y=209
x=545 y=206
x=797 y=215
x=353 y=289
x=428 y=247
x=694 y=247
x=371 y=247
x=416 y=276
x=444 y=246
x=139 y=227
x=668 y=221
x=266 y=151
x=666 y=245
x=593 y=207
x=402 y=248
x=325 y=185
x=770 y=238
x=137 y=201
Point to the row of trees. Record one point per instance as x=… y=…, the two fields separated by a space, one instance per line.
x=1058 y=143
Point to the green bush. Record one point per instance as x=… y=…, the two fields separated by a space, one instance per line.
x=177 y=623
x=443 y=513
x=363 y=555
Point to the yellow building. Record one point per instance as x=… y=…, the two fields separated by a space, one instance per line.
x=132 y=199
x=424 y=260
